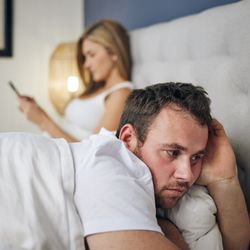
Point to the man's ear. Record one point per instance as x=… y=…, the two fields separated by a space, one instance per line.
x=128 y=136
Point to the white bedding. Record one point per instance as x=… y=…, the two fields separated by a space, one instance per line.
x=36 y=194
x=37 y=209
x=194 y=215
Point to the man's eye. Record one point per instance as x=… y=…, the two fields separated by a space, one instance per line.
x=173 y=153
x=195 y=158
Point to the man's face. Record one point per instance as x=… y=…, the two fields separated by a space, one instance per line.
x=173 y=151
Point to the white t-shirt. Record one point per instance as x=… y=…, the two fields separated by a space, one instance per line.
x=82 y=115
x=114 y=189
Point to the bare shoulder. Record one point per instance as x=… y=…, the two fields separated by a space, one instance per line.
x=132 y=240
x=121 y=92
x=117 y=97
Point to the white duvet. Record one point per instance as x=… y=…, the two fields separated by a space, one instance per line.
x=36 y=194
x=37 y=208
x=195 y=216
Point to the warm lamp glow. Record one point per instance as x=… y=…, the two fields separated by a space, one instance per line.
x=64 y=80
x=72 y=84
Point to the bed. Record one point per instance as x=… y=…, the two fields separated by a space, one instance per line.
x=211 y=49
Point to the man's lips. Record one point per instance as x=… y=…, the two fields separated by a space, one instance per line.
x=176 y=191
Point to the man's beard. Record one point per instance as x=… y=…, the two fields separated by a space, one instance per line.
x=163 y=201
x=168 y=200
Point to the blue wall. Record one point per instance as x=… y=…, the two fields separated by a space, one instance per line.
x=139 y=13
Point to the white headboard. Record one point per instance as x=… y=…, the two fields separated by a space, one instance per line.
x=211 y=49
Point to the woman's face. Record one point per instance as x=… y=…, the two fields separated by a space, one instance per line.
x=98 y=61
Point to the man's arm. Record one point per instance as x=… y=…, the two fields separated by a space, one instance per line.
x=130 y=240
x=232 y=213
x=172 y=233
x=220 y=176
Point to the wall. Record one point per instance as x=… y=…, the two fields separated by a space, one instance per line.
x=139 y=13
x=39 y=26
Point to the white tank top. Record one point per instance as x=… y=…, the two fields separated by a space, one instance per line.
x=86 y=113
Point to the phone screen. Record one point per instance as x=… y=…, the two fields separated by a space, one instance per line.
x=14 y=88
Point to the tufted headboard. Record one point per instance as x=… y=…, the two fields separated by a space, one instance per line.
x=211 y=49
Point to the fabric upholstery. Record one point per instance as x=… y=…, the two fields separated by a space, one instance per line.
x=211 y=49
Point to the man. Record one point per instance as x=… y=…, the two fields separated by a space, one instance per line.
x=167 y=126
x=167 y=142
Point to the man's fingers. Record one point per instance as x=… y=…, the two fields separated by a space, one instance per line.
x=217 y=128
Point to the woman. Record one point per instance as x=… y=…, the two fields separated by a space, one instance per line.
x=104 y=63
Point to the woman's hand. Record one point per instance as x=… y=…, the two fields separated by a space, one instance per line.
x=32 y=110
x=219 y=162
x=37 y=115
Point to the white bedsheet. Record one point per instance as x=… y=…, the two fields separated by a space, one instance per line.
x=36 y=194
x=37 y=208
x=195 y=216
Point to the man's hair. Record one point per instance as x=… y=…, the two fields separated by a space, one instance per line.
x=143 y=105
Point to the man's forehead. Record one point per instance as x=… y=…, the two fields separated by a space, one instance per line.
x=171 y=114
x=175 y=126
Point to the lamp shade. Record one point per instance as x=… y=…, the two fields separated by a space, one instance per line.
x=64 y=80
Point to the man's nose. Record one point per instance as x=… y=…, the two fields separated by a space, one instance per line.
x=184 y=171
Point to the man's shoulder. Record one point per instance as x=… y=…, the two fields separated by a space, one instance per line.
x=104 y=137
x=105 y=152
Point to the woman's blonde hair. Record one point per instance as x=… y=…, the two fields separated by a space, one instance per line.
x=115 y=38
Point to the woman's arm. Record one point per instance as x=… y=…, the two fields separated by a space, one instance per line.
x=114 y=105
x=38 y=116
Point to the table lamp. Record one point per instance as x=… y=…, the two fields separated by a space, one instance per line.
x=64 y=80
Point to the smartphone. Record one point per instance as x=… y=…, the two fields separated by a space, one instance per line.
x=14 y=88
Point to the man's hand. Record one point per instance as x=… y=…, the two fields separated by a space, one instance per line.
x=219 y=162
x=220 y=176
